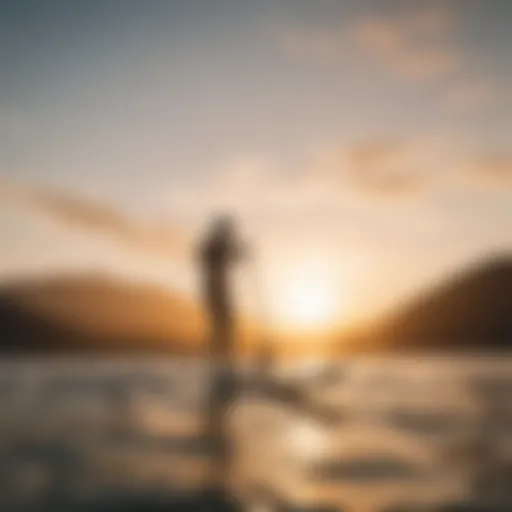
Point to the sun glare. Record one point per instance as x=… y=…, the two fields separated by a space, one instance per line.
x=307 y=297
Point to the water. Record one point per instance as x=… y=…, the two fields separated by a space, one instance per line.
x=413 y=431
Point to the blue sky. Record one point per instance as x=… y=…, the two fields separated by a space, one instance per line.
x=374 y=133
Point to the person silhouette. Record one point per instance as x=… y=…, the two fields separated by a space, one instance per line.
x=219 y=252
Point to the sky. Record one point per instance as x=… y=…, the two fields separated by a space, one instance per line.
x=364 y=145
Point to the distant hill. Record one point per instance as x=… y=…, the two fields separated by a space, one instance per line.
x=99 y=314
x=473 y=310
x=95 y=314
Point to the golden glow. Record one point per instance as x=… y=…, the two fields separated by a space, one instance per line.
x=307 y=296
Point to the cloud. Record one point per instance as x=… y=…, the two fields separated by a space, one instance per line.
x=378 y=168
x=384 y=166
x=492 y=170
x=95 y=217
x=317 y=184
x=324 y=182
x=416 y=46
x=419 y=44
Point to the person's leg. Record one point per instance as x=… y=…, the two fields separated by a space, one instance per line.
x=221 y=394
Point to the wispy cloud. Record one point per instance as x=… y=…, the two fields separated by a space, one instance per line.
x=321 y=182
x=418 y=45
x=387 y=167
x=491 y=170
x=95 y=217
x=378 y=168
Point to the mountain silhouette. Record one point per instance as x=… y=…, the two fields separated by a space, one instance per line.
x=472 y=310
x=95 y=313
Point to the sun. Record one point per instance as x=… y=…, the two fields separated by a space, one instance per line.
x=307 y=303
x=307 y=296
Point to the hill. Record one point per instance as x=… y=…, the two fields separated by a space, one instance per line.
x=94 y=313
x=472 y=310
x=98 y=314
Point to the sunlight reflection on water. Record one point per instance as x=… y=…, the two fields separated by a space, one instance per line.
x=414 y=430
